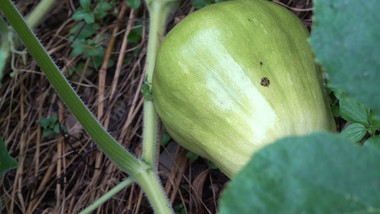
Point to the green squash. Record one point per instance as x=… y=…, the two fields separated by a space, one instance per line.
x=235 y=76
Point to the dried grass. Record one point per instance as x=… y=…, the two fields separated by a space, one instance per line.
x=66 y=173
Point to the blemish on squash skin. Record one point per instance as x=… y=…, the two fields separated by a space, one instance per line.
x=265 y=82
x=261 y=63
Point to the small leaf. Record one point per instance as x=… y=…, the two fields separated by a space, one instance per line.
x=95 y=50
x=53 y=119
x=179 y=209
x=63 y=128
x=200 y=3
x=104 y=6
x=86 y=4
x=134 y=3
x=78 y=47
x=44 y=122
x=211 y=165
x=100 y=15
x=192 y=156
x=89 y=18
x=165 y=138
x=101 y=10
x=335 y=110
x=6 y=162
x=354 y=132
x=47 y=132
x=146 y=91
x=56 y=128
x=97 y=61
x=353 y=111
x=86 y=30
x=127 y=60
x=85 y=15
x=320 y=173
x=135 y=35
x=374 y=122
x=79 y=14
x=375 y=141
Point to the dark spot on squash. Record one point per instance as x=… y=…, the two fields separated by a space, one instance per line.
x=265 y=82
x=249 y=19
x=261 y=63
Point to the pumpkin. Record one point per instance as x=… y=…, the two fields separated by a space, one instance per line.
x=235 y=76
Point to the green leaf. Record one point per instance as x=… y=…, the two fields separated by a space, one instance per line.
x=101 y=10
x=86 y=4
x=79 y=47
x=47 y=132
x=53 y=119
x=200 y=3
x=375 y=141
x=86 y=31
x=192 y=156
x=100 y=15
x=135 y=35
x=335 y=110
x=63 y=128
x=104 y=6
x=146 y=90
x=353 y=111
x=56 y=128
x=179 y=209
x=320 y=173
x=165 y=138
x=345 y=38
x=134 y=3
x=44 y=122
x=95 y=50
x=6 y=161
x=211 y=165
x=97 y=61
x=354 y=132
x=87 y=16
x=374 y=122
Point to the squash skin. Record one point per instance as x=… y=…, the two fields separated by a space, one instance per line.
x=235 y=76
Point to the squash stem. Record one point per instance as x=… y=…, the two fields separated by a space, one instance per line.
x=159 y=11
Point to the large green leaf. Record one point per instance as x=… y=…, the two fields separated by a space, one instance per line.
x=6 y=161
x=320 y=173
x=345 y=38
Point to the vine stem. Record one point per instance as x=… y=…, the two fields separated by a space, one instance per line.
x=107 y=196
x=143 y=172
